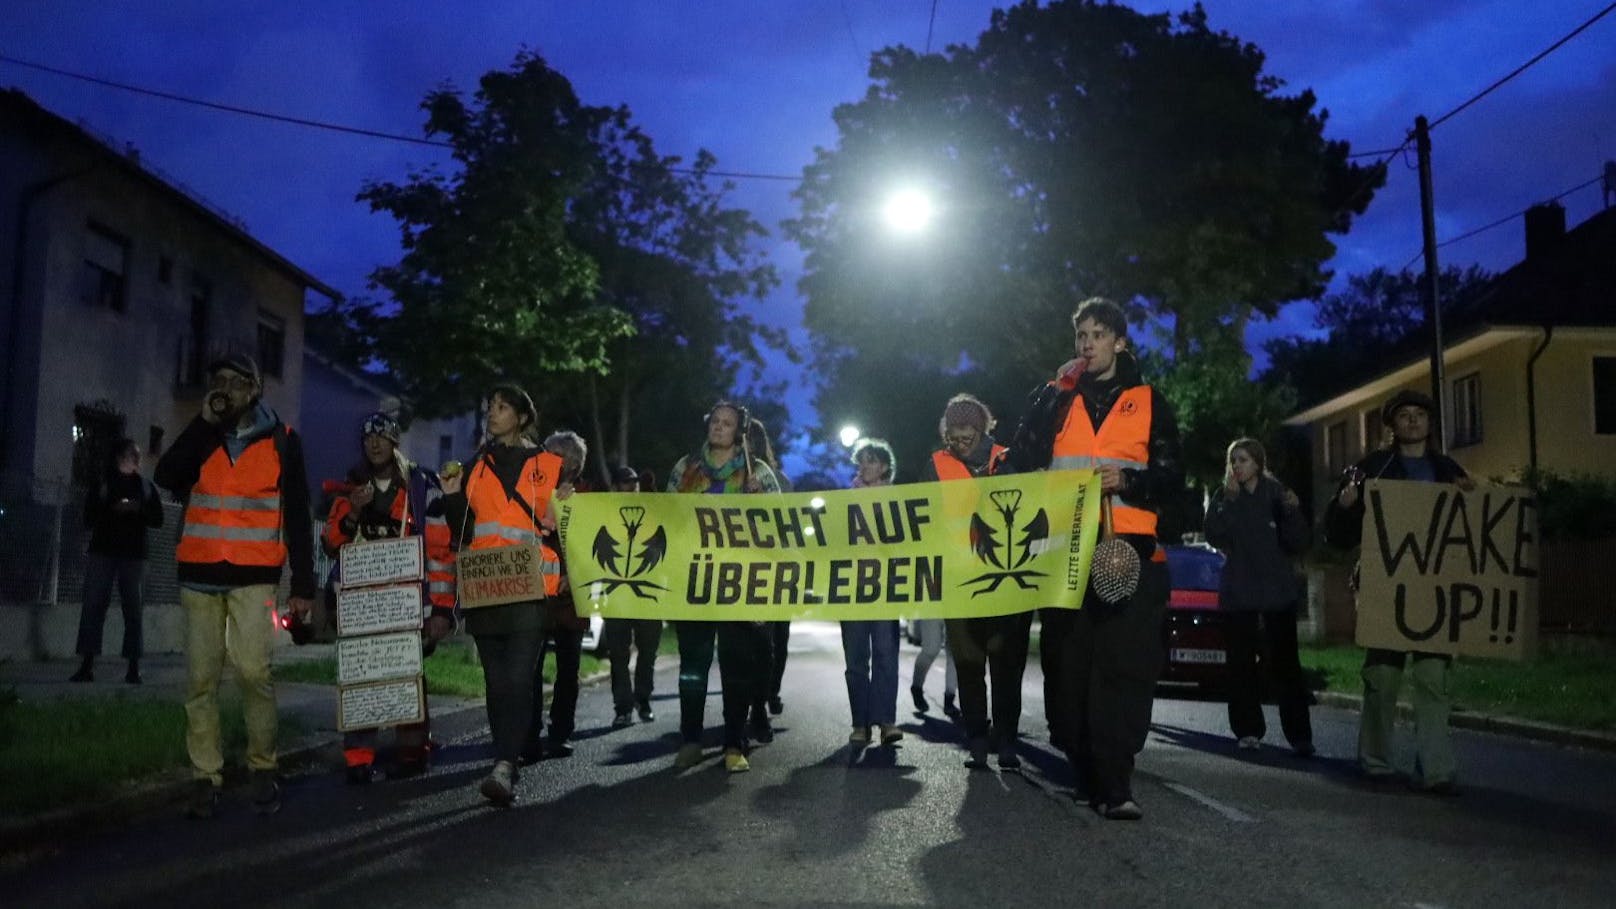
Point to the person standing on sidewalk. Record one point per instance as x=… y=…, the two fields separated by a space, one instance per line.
x=645 y=635
x=1411 y=456
x=499 y=502
x=117 y=512
x=870 y=647
x=240 y=472
x=391 y=496
x=1099 y=414
x=757 y=440
x=564 y=630
x=1258 y=525
x=722 y=467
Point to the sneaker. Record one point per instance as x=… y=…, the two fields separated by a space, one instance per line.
x=1008 y=759
x=646 y=714
x=85 y=674
x=1126 y=810
x=919 y=694
x=623 y=720
x=891 y=735
x=361 y=774
x=132 y=677
x=689 y=756
x=266 y=792
x=1304 y=750
x=950 y=709
x=776 y=706
x=499 y=787
x=735 y=761
x=979 y=754
x=202 y=800
x=531 y=753
x=761 y=730
x=1250 y=743
x=558 y=749
x=860 y=736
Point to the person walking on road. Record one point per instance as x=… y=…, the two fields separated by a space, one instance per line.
x=870 y=647
x=1099 y=414
x=723 y=466
x=1411 y=456
x=240 y=472
x=118 y=510
x=757 y=441
x=631 y=691
x=1258 y=525
x=564 y=629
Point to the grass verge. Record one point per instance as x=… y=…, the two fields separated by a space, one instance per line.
x=451 y=670
x=1566 y=686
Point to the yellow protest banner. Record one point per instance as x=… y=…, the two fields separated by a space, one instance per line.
x=1449 y=571
x=929 y=550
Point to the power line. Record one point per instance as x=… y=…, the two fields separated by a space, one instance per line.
x=323 y=124
x=1502 y=221
x=858 y=48
x=930 y=23
x=1524 y=66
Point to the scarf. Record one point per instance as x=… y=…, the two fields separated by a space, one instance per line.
x=701 y=476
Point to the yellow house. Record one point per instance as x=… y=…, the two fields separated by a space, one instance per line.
x=1530 y=368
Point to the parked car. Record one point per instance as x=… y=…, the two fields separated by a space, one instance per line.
x=1193 y=633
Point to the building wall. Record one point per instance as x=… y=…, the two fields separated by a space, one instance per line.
x=1565 y=405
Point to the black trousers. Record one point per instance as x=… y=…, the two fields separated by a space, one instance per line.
x=1247 y=633
x=509 y=661
x=568 y=646
x=1105 y=661
x=645 y=635
x=100 y=572
x=742 y=673
x=994 y=647
x=780 y=636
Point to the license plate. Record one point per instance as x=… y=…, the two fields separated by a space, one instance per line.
x=1197 y=655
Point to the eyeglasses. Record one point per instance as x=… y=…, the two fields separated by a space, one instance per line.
x=958 y=440
x=222 y=382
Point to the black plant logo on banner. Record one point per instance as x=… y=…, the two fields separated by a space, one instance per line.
x=1009 y=555
x=624 y=569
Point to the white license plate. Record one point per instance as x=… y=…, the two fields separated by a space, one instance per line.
x=1197 y=655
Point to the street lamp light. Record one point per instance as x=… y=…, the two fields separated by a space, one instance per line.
x=908 y=211
x=849 y=435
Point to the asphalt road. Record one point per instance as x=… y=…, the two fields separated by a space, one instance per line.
x=813 y=823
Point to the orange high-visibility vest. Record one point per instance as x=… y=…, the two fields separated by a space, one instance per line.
x=502 y=522
x=1123 y=440
x=234 y=511
x=440 y=570
x=952 y=468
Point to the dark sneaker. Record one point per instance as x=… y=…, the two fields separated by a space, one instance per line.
x=85 y=674
x=532 y=753
x=558 y=749
x=1304 y=749
x=950 y=709
x=646 y=713
x=1127 y=810
x=203 y=799
x=266 y=792
x=499 y=787
x=622 y=720
x=919 y=694
x=132 y=677
x=1008 y=759
x=689 y=756
x=979 y=754
x=761 y=730
x=776 y=706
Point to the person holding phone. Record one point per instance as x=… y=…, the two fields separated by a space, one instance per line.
x=118 y=511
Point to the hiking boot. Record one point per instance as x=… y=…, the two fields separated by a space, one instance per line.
x=776 y=706
x=623 y=720
x=266 y=792
x=860 y=736
x=979 y=754
x=919 y=694
x=689 y=756
x=499 y=786
x=735 y=761
x=203 y=799
x=646 y=713
x=891 y=735
x=950 y=709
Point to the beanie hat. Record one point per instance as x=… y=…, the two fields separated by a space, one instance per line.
x=1406 y=398
x=238 y=362
x=381 y=424
x=967 y=410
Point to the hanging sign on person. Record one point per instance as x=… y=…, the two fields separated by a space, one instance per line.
x=499 y=575
x=1449 y=571
x=990 y=546
x=388 y=561
x=379 y=610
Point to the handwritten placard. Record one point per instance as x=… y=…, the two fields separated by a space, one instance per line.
x=1449 y=571
x=378 y=657
x=388 y=561
x=372 y=610
x=494 y=577
x=383 y=704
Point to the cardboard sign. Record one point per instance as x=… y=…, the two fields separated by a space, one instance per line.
x=382 y=704
x=1448 y=571
x=495 y=577
x=372 y=610
x=378 y=657
x=374 y=562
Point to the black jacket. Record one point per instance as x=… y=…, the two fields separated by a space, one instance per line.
x=1343 y=527
x=1258 y=535
x=117 y=512
x=181 y=466
x=1158 y=485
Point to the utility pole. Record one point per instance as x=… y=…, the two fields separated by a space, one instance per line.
x=1433 y=298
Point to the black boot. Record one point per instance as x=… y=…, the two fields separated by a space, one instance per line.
x=86 y=671
x=919 y=694
x=132 y=675
x=979 y=754
x=950 y=708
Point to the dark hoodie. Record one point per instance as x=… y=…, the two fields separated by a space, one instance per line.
x=1033 y=446
x=181 y=466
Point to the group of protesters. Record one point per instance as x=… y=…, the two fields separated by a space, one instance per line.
x=239 y=470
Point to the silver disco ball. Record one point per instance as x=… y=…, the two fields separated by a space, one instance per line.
x=1114 y=574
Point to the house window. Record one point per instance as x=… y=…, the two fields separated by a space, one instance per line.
x=1467 y=410
x=1605 y=396
x=1335 y=446
x=106 y=259
x=271 y=343
x=97 y=427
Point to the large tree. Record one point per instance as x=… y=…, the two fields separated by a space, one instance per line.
x=1076 y=149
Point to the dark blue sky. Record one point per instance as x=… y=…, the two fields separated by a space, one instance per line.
x=755 y=82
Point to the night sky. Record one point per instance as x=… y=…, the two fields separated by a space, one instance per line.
x=755 y=82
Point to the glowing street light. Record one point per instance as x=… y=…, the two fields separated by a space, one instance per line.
x=849 y=435
x=908 y=211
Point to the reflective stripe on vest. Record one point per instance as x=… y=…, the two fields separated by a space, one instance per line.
x=1123 y=440
x=233 y=513
x=952 y=468
x=501 y=521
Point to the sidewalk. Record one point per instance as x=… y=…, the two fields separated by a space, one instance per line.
x=1485 y=722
